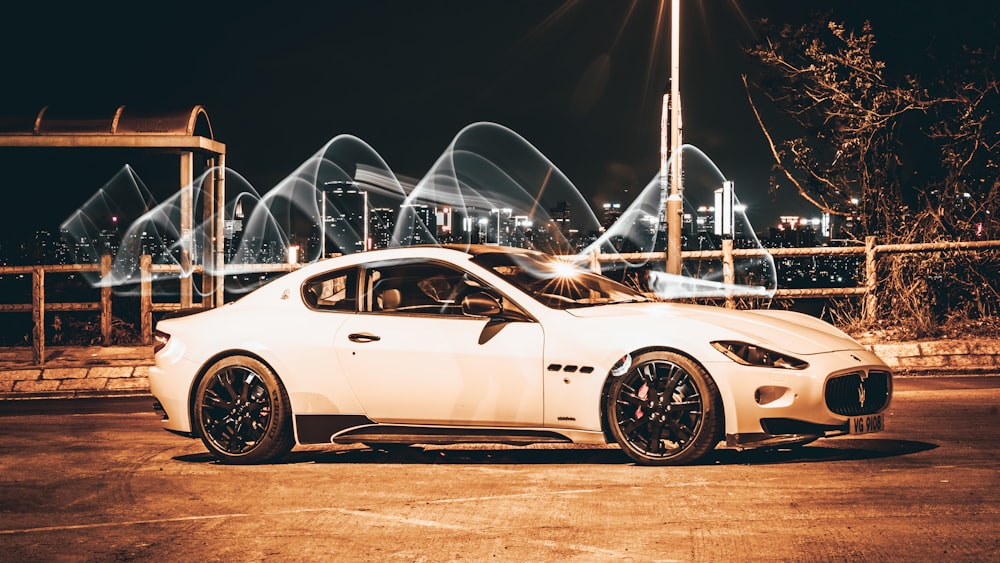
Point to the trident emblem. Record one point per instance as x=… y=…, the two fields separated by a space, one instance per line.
x=861 y=394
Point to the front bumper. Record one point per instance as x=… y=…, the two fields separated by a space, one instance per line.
x=774 y=407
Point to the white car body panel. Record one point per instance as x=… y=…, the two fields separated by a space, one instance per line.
x=495 y=383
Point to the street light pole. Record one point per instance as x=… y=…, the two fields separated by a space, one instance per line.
x=675 y=199
x=665 y=157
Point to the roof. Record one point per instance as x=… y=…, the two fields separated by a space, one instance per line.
x=121 y=126
x=111 y=121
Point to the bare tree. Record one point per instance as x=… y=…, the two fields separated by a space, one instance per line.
x=965 y=198
x=841 y=157
x=908 y=158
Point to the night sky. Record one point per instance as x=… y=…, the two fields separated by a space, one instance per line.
x=581 y=80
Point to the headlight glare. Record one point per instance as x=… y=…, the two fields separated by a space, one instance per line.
x=753 y=355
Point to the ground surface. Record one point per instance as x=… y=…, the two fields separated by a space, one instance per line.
x=100 y=481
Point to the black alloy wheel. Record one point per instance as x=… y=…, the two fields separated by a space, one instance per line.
x=242 y=412
x=665 y=410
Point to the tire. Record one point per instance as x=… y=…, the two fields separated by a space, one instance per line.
x=666 y=410
x=242 y=412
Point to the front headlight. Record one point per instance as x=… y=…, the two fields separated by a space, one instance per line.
x=753 y=355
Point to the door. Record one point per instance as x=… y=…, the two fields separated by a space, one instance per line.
x=412 y=356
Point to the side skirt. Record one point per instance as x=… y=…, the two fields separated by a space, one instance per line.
x=349 y=429
x=319 y=428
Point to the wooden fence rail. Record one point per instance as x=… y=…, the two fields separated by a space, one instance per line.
x=870 y=251
x=38 y=306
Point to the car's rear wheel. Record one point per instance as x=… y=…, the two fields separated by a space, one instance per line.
x=665 y=410
x=242 y=412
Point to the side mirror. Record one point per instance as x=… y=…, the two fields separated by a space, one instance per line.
x=481 y=304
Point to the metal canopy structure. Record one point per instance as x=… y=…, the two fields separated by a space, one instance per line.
x=185 y=132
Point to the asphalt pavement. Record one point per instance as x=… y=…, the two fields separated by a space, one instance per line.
x=99 y=480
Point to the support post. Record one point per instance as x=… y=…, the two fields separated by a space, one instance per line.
x=105 y=300
x=728 y=271
x=146 y=298
x=595 y=262
x=208 y=235
x=38 y=312
x=725 y=228
x=675 y=203
x=187 y=223
x=871 y=281
x=674 y=210
x=220 y=233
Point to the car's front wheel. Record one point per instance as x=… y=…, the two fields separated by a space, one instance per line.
x=242 y=412
x=665 y=410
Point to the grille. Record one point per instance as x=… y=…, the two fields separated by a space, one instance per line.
x=853 y=394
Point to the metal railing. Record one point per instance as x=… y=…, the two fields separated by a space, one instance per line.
x=871 y=251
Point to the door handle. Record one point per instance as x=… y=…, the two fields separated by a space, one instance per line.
x=363 y=337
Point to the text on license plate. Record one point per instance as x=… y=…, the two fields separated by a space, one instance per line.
x=866 y=424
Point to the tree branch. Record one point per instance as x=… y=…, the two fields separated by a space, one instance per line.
x=777 y=157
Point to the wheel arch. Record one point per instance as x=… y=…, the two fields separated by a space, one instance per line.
x=720 y=403
x=203 y=371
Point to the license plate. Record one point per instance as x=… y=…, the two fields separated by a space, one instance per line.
x=866 y=424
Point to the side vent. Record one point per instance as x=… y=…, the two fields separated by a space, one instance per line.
x=570 y=368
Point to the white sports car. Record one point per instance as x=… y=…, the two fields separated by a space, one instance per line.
x=437 y=345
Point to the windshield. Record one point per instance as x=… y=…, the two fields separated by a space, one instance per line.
x=557 y=284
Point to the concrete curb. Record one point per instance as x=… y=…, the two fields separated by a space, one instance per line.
x=5 y=397
x=940 y=356
x=76 y=372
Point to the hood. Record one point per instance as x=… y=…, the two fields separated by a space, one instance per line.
x=785 y=331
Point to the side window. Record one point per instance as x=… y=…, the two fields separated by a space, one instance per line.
x=417 y=288
x=334 y=291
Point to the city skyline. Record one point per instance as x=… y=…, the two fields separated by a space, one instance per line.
x=488 y=225
x=116 y=211
x=347 y=223
x=496 y=226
